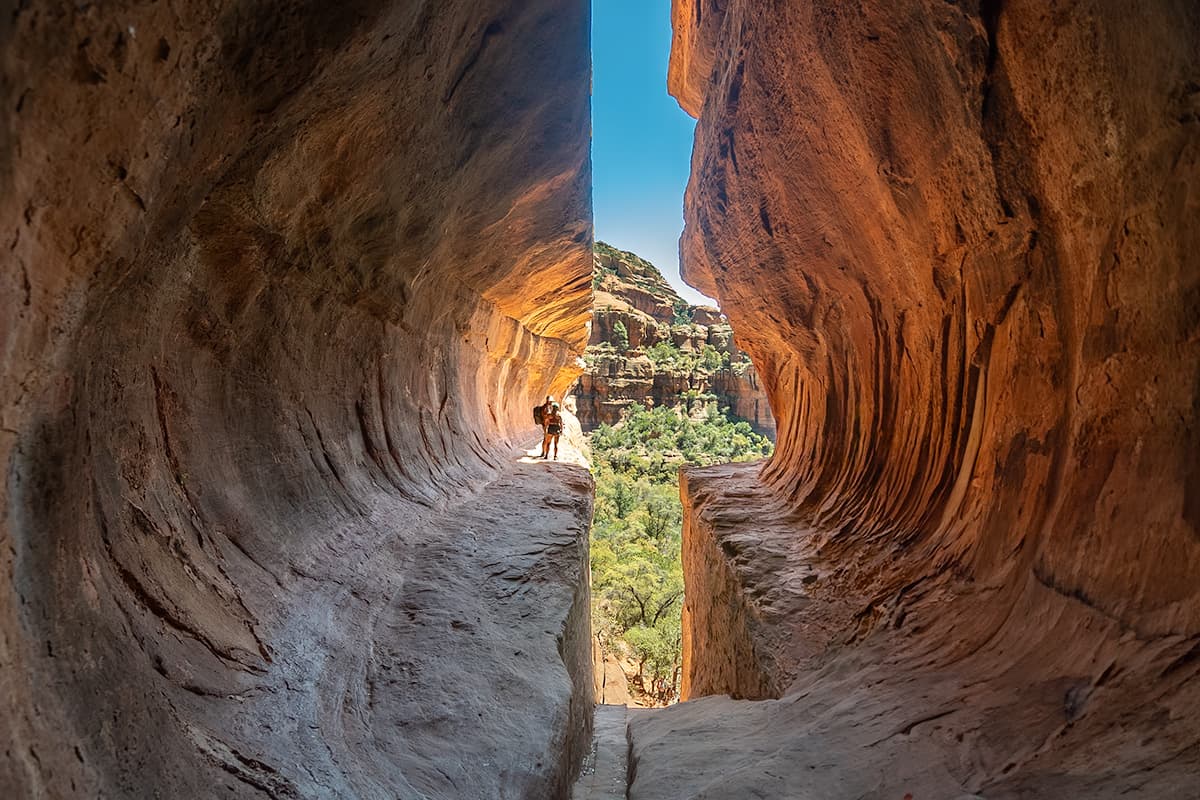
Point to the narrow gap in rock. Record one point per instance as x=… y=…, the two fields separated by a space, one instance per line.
x=664 y=386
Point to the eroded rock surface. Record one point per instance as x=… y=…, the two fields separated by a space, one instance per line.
x=269 y=319
x=958 y=240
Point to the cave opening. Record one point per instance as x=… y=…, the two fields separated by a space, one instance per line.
x=281 y=282
x=664 y=387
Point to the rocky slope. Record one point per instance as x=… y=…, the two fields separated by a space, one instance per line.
x=267 y=333
x=650 y=346
x=959 y=239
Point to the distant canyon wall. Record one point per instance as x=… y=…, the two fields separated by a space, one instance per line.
x=616 y=382
x=632 y=295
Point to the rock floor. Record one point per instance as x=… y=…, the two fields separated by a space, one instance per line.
x=471 y=627
x=394 y=643
x=605 y=772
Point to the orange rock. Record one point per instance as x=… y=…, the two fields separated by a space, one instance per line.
x=959 y=243
x=280 y=284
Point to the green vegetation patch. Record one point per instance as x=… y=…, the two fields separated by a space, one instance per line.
x=637 y=572
x=666 y=355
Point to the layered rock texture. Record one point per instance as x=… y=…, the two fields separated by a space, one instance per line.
x=280 y=283
x=959 y=241
x=648 y=345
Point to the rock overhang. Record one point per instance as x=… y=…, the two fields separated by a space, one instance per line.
x=286 y=280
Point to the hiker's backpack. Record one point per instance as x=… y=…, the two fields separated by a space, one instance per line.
x=537 y=414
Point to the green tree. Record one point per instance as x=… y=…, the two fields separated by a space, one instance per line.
x=618 y=495
x=682 y=313
x=662 y=515
x=620 y=336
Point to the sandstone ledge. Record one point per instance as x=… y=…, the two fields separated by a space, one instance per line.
x=745 y=576
x=945 y=688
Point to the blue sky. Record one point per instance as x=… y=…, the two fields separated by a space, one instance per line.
x=641 y=139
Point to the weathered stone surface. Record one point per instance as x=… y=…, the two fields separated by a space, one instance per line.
x=605 y=771
x=958 y=241
x=707 y=315
x=746 y=613
x=609 y=682
x=280 y=282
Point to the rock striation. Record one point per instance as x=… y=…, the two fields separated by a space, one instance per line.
x=648 y=345
x=271 y=319
x=958 y=241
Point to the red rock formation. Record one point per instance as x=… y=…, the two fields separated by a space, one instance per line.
x=707 y=315
x=742 y=392
x=958 y=241
x=280 y=281
x=631 y=291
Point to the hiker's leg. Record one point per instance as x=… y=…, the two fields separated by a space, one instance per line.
x=545 y=444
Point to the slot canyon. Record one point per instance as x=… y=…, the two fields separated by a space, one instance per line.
x=281 y=280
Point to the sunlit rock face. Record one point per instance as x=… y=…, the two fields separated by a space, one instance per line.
x=630 y=291
x=280 y=281
x=959 y=242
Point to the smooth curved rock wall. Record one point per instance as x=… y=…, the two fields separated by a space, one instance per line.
x=958 y=241
x=266 y=321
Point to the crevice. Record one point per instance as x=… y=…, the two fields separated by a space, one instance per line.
x=1188 y=659
x=765 y=218
x=1046 y=579
x=26 y=288
x=250 y=771
x=631 y=760
x=333 y=470
x=163 y=394
x=908 y=729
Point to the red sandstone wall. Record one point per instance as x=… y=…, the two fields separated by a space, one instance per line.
x=264 y=306
x=959 y=241
x=961 y=247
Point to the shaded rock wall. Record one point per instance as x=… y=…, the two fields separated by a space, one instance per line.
x=266 y=320
x=742 y=391
x=958 y=241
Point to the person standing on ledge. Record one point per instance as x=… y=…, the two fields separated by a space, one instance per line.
x=553 y=429
x=539 y=417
